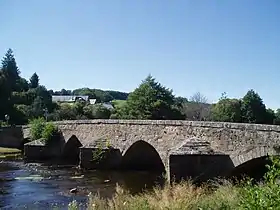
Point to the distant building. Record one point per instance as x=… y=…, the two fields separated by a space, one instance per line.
x=73 y=99
x=92 y=101
x=69 y=99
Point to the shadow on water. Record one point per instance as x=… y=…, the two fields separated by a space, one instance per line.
x=43 y=186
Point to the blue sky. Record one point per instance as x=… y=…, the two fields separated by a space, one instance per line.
x=200 y=45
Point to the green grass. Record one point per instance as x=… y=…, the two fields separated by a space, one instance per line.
x=118 y=103
x=4 y=150
x=9 y=153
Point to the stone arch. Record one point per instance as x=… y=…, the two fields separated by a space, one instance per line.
x=253 y=153
x=142 y=156
x=252 y=162
x=71 y=150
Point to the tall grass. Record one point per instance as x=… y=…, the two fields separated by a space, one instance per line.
x=178 y=196
x=186 y=196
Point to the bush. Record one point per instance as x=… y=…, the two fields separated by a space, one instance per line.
x=42 y=129
x=49 y=132
x=266 y=195
x=36 y=128
x=3 y=123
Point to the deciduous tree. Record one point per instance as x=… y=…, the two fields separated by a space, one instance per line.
x=252 y=108
x=150 y=100
x=226 y=110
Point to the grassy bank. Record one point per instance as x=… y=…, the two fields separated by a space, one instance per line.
x=9 y=153
x=226 y=196
x=178 y=196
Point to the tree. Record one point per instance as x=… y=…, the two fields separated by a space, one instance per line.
x=197 y=106
x=34 y=81
x=4 y=95
x=22 y=85
x=37 y=107
x=270 y=117
x=97 y=111
x=277 y=117
x=66 y=112
x=150 y=100
x=198 y=98
x=180 y=101
x=10 y=70
x=226 y=110
x=252 y=108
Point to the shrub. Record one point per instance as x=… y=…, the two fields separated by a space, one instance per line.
x=36 y=128
x=39 y=128
x=265 y=195
x=49 y=132
x=3 y=123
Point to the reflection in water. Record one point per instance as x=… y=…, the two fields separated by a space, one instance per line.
x=34 y=186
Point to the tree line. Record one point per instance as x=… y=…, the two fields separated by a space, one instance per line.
x=23 y=100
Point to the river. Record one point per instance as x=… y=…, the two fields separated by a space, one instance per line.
x=40 y=186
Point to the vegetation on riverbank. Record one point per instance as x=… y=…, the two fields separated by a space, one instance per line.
x=40 y=129
x=9 y=153
x=246 y=195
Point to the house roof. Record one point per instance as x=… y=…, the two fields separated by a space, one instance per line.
x=68 y=98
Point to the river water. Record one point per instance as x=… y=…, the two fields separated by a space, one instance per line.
x=38 y=186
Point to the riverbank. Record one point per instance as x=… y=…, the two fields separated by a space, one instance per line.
x=10 y=153
x=179 y=196
x=186 y=196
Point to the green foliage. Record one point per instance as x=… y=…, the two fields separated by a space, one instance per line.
x=265 y=196
x=150 y=100
x=10 y=70
x=20 y=100
x=98 y=154
x=252 y=108
x=50 y=131
x=73 y=205
x=36 y=128
x=277 y=117
x=3 y=123
x=22 y=85
x=185 y=195
x=96 y=111
x=227 y=110
x=195 y=110
x=39 y=128
x=101 y=96
x=66 y=112
x=23 y=100
x=34 y=81
x=270 y=116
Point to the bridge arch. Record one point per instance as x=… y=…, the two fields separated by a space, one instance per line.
x=253 y=153
x=252 y=162
x=142 y=156
x=71 y=150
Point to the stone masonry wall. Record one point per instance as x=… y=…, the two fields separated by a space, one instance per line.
x=240 y=141
x=11 y=137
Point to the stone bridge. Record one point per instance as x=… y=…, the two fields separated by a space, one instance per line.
x=11 y=137
x=180 y=148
